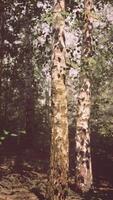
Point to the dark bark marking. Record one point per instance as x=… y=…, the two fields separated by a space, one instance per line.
x=58 y=75
x=59 y=59
x=87 y=164
x=61 y=46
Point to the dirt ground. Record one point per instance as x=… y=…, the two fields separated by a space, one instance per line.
x=25 y=178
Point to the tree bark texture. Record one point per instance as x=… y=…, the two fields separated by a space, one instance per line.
x=83 y=177
x=59 y=137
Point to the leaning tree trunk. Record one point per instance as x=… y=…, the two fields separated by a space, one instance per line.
x=83 y=153
x=57 y=189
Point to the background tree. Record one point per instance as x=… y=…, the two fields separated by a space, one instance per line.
x=1 y=48
x=29 y=79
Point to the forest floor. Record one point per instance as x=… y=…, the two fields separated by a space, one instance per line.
x=25 y=178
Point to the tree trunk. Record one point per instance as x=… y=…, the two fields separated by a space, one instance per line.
x=1 y=56
x=29 y=82
x=58 y=180
x=83 y=153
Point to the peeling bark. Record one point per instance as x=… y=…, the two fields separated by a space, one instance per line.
x=59 y=137
x=83 y=177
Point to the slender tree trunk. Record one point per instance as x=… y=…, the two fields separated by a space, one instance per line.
x=29 y=82
x=57 y=189
x=83 y=153
x=1 y=55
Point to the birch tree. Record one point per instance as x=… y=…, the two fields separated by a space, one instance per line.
x=59 y=135
x=83 y=177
